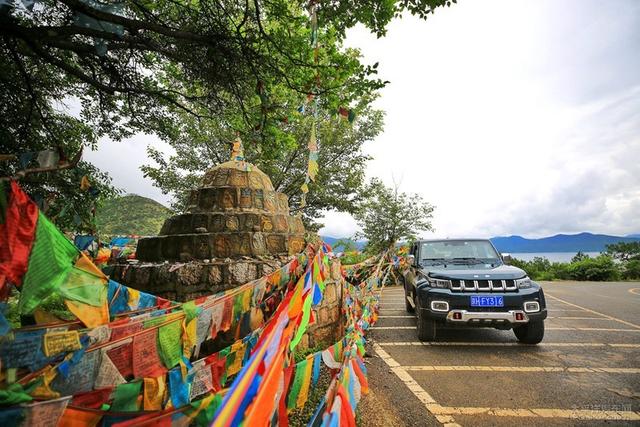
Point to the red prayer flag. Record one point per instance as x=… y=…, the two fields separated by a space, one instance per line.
x=17 y=234
x=122 y=358
x=146 y=360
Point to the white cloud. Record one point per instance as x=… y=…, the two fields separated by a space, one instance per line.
x=123 y=160
x=514 y=117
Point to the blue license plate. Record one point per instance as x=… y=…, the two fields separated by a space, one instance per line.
x=487 y=301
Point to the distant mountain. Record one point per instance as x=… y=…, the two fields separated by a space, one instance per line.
x=585 y=242
x=131 y=214
x=637 y=235
x=332 y=240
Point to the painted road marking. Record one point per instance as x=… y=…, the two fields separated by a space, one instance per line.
x=578 y=414
x=396 y=317
x=444 y=413
x=547 y=328
x=413 y=386
x=392 y=327
x=525 y=369
x=578 y=318
x=506 y=344
x=635 y=291
x=590 y=329
x=594 y=312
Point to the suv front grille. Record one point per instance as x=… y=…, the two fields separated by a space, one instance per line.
x=483 y=285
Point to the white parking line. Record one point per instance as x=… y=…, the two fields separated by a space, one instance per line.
x=594 y=312
x=577 y=414
x=590 y=329
x=578 y=318
x=392 y=327
x=561 y=369
x=559 y=328
x=396 y=317
x=505 y=344
x=413 y=386
x=444 y=414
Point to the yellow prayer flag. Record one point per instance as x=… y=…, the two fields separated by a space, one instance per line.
x=134 y=298
x=58 y=342
x=306 y=382
x=91 y=316
x=85 y=263
x=154 y=392
x=84 y=183
x=189 y=337
x=42 y=317
x=44 y=391
x=238 y=348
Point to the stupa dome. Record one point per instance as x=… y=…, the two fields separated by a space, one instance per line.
x=235 y=212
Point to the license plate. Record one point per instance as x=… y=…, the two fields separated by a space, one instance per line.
x=487 y=301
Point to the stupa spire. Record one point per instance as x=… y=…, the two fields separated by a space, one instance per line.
x=237 y=151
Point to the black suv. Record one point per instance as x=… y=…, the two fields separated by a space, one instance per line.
x=466 y=282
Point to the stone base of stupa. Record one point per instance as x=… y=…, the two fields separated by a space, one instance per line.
x=184 y=281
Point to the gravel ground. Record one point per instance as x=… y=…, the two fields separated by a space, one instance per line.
x=376 y=408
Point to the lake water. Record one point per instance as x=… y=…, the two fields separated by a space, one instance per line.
x=551 y=256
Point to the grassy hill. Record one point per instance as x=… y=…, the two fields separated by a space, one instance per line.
x=131 y=214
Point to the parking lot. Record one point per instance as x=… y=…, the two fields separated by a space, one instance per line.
x=585 y=372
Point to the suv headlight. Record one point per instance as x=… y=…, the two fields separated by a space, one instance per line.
x=439 y=283
x=524 y=283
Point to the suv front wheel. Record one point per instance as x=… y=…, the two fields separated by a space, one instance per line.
x=531 y=333
x=426 y=326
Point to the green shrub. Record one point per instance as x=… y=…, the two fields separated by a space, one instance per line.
x=600 y=268
x=631 y=270
x=581 y=267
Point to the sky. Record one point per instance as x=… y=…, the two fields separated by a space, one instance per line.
x=510 y=116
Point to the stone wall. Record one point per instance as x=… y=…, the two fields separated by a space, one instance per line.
x=329 y=326
x=190 y=280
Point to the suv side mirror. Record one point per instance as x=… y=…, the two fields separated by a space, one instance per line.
x=506 y=258
x=411 y=259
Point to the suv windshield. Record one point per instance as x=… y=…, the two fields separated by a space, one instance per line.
x=458 y=250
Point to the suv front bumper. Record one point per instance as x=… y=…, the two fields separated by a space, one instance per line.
x=460 y=311
x=464 y=316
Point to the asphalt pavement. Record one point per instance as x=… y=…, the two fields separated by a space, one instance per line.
x=586 y=371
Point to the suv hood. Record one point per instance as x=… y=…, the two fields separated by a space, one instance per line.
x=474 y=272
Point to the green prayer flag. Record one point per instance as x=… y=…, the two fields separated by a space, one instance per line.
x=237 y=307
x=170 y=344
x=205 y=416
x=154 y=321
x=84 y=287
x=297 y=384
x=14 y=394
x=125 y=397
x=190 y=310
x=52 y=258
x=306 y=314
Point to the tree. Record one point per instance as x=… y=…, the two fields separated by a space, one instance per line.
x=346 y=245
x=624 y=251
x=580 y=256
x=132 y=64
x=388 y=216
x=72 y=71
x=282 y=154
